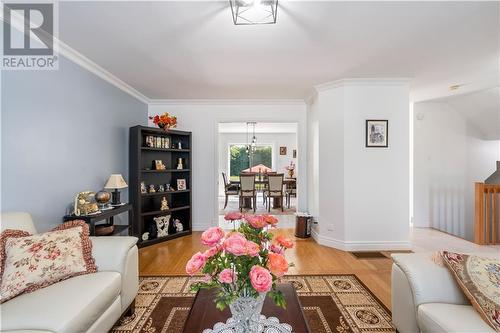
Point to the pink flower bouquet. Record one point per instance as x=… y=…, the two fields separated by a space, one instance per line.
x=243 y=262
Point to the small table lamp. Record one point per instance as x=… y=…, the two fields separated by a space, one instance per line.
x=115 y=182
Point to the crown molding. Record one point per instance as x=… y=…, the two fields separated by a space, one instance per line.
x=62 y=49
x=311 y=96
x=227 y=102
x=71 y=54
x=361 y=82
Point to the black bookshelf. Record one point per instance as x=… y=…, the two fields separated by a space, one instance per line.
x=142 y=169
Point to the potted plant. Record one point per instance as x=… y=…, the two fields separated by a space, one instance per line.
x=244 y=266
x=164 y=121
x=291 y=169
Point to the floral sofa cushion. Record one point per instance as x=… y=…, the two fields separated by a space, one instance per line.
x=479 y=279
x=30 y=262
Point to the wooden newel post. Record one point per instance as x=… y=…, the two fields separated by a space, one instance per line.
x=479 y=237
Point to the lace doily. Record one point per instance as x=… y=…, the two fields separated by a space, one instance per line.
x=266 y=325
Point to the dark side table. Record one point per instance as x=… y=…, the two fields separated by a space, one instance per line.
x=108 y=216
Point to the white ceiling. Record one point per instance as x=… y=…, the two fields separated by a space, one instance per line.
x=482 y=109
x=259 y=128
x=180 y=50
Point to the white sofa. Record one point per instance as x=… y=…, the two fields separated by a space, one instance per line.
x=426 y=298
x=86 y=303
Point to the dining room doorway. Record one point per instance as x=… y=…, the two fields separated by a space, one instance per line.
x=268 y=152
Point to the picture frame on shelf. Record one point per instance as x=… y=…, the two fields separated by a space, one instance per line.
x=181 y=184
x=282 y=150
x=377 y=133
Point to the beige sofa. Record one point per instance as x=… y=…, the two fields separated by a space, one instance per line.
x=86 y=303
x=426 y=298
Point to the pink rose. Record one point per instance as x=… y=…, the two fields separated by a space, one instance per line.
x=211 y=252
x=276 y=249
x=236 y=244
x=212 y=236
x=256 y=221
x=227 y=276
x=253 y=249
x=261 y=279
x=195 y=263
x=231 y=216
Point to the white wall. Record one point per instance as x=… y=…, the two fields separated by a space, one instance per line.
x=363 y=192
x=276 y=140
x=450 y=154
x=202 y=118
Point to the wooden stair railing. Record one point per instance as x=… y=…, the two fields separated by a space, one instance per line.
x=487 y=214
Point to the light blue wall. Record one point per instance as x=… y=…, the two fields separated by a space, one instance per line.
x=63 y=132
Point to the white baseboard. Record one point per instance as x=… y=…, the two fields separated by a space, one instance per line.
x=360 y=245
x=201 y=227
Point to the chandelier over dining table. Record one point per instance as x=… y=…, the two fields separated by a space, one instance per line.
x=251 y=141
x=247 y=12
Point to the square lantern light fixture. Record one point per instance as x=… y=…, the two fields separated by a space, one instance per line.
x=254 y=11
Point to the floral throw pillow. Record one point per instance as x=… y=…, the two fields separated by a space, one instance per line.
x=479 y=279
x=30 y=262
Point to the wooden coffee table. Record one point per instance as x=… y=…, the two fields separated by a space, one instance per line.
x=205 y=315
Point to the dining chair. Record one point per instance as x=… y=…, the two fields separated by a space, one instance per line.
x=264 y=186
x=291 y=190
x=274 y=189
x=247 y=190
x=229 y=189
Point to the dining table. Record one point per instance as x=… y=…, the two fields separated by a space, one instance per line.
x=277 y=202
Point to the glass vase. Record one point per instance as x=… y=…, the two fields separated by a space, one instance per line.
x=246 y=313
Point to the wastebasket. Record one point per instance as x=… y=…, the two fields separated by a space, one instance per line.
x=303 y=224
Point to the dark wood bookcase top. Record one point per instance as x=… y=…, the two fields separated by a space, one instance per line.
x=141 y=169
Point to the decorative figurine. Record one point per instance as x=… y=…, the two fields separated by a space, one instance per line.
x=149 y=141
x=167 y=187
x=161 y=188
x=158 y=164
x=164 y=204
x=179 y=145
x=152 y=189
x=143 y=188
x=162 y=225
x=145 y=236
x=178 y=225
x=102 y=198
x=179 y=164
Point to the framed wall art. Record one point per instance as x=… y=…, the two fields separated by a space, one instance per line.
x=377 y=133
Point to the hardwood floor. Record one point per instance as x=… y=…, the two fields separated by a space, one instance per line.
x=170 y=258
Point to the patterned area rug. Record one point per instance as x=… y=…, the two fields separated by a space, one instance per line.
x=331 y=303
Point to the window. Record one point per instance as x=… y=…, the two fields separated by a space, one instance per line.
x=239 y=161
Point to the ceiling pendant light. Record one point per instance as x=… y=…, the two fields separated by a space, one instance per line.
x=254 y=11
x=251 y=145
